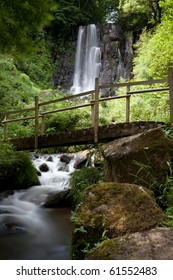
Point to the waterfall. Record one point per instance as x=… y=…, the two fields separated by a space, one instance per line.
x=88 y=60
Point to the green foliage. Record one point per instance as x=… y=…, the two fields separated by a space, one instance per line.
x=136 y=14
x=154 y=53
x=21 y=21
x=16 y=169
x=163 y=193
x=17 y=92
x=80 y=180
x=16 y=88
x=67 y=120
x=38 y=65
x=145 y=107
x=75 y=13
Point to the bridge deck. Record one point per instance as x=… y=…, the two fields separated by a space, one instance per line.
x=84 y=136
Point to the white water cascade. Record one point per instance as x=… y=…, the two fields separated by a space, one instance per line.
x=29 y=231
x=88 y=60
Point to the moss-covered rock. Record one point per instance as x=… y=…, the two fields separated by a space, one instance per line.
x=140 y=159
x=115 y=209
x=154 y=244
x=16 y=169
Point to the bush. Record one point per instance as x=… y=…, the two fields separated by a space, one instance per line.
x=16 y=169
x=80 y=180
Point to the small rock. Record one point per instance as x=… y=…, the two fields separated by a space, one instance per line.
x=43 y=167
x=65 y=158
x=50 y=159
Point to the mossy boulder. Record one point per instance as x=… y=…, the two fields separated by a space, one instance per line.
x=115 y=209
x=139 y=159
x=16 y=169
x=154 y=244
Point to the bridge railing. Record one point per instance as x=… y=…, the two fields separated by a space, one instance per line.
x=93 y=101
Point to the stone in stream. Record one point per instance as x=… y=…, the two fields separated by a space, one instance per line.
x=60 y=199
x=43 y=167
x=66 y=158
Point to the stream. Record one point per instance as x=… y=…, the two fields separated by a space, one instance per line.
x=29 y=231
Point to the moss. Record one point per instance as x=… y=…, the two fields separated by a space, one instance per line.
x=113 y=249
x=115 y=208
x=16 y=169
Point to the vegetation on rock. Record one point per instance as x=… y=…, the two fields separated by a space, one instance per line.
x=110 y=210
x=16 y=169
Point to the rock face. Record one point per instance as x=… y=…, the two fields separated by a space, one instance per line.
x=116 y=209
x=117 y=52
x=155 y=244
x=138 y=158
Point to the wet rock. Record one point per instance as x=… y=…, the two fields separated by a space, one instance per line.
x=123 y=158
x=81 y=159
x=154 y=244
x=6 y=193
x=43 y=167
x=50 y=158
x=63 y=168
x=66 y=158
x=60 y=199
x=116 y=208
x=38 y=172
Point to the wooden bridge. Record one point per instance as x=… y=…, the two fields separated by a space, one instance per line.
x=83 y=136
x=95 y=133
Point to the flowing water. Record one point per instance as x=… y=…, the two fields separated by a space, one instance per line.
x=88 y=59
x=29 y=231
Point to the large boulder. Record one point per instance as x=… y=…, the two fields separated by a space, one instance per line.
x=114 y=209
x=138 y=159
x=154 y=244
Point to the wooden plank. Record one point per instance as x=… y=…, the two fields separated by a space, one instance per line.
x=18 y=111
x=84 y=136
x=67 y=98
x=149 y=90
x=66 y=109
x=36 y=122
x=133 y=83
x=4 y=135
x=96 y=111
x=18 y=119
x=128 y=104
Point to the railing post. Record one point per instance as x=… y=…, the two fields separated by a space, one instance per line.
x=170 y=81
x=4 y=137
x=96 y=111
x=92 y=109
x=128 y=104
x=36 y=122
x=43 y=121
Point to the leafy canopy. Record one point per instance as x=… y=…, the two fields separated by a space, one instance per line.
x=154 y=53
x=21 y=21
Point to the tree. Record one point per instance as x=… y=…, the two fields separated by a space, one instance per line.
x=154 y=52
x=136 y=14
x=21 y=21
x=71 y=14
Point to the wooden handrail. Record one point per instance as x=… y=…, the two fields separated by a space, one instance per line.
x=93 y=103
x=149 y=82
